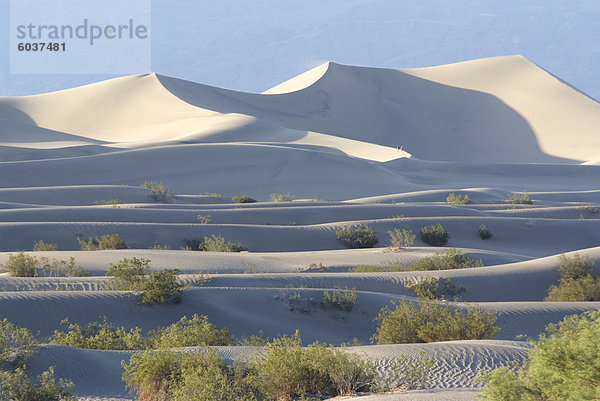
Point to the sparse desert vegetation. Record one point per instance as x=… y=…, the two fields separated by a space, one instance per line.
x=41 y=246
x=401 y=239
x=456 y=200
x=281 y=198
x=520 y=198
x=107 y=241
x=243 y=199
x=446 y=260
x=214 y=243
x=23 y=265
x=484 y=233
x=579 y=281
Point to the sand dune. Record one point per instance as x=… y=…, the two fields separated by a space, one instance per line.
x=354 y=146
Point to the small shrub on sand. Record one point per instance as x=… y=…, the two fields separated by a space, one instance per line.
x=154 y=287
x=342 y=300
x=243 y=199
x=16 y=343
x=108 y=241
x=435 y=235
x=357 y=237
x=431 y=321
x=562 y=365
x=22 y=265
x=214 y=243
x=158 y=193
x=445 y=260
x=521 y=198
x=42 y=246
x=579 y=281
x=110 y=202
x=484 y=233
x=401 y=239
x=455 y=200
x=429 y=288
x=281 y=198
x=203 y=219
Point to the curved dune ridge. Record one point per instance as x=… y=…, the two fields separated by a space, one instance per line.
x=348 y=146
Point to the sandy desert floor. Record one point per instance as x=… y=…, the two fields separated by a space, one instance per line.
x=353 y=145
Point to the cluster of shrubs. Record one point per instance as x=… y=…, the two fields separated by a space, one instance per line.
x=429 y=288
x=107 y=241
x=357 y=237
x=281 y=198
x=22 y=265
x=283 y=370
x=243 y=199
x=430 y=321
x=214 y=243
x=153 y=286
x=16 y=346
x=562 y=365
x=522 y=198
x=454 y=199
x=343 y=300
x=579 y=281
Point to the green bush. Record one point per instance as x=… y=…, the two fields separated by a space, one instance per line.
x=579 y=281
x=484 y=233
x=431 y=321
x=214 y=243
x=154 y=287
x=189 y=333
x=22 y=265
x=167 y=375
x=454 y=199
x=63 y=268
x=522 y=198
x=16 y=343
x=435 y=235
x=110 y=202
x=161 y=287
x=16 y=385
x=243 y=199
x=102 y=336
x=429 y=288
x=203 y=219
x=108 y=241
x=357 y=237
x=562 y=365
x=281 y=198
x=158 y=193
x=285 y=370
x=401 y=239
x=342 y=300
x=42 y=246
x=447 y=259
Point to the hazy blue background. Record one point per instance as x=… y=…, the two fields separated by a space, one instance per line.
x=251 y=45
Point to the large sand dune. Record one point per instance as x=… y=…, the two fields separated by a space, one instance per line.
x=354 y=145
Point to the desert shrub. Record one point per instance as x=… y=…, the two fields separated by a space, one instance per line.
x=589 y=208
x=243 y=199
x=42 y=246
x=429 y=288
x=579 y=281
x=342 y=300
x=435 y=235
x=401 y=239
x=161 y=287
x=159 y=247
x=108 y=241
x=454 y=199
x=110 y=202
x=166 y=375
x=16 y=343
x=129 y=274
x=203 y=219
x=562 y=365
x=281 y=198
x=188 y=333
x=101 y=336
x=63 y=268
x=158 y=193
x=522 y=198
x=16 y=385
x=285 y=370
x=214 y=243
x=445 y=260
x=431 y=321
x=22 y=265
x=357 y=237
x=368 y=269
x=484 y=233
